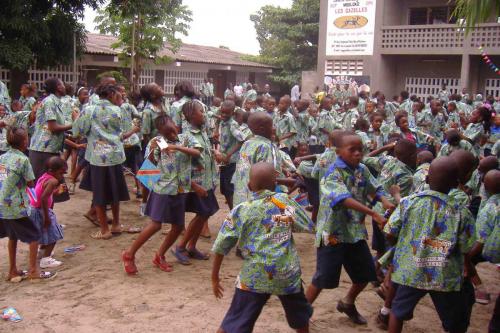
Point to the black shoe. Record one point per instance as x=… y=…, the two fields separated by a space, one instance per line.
x=351 y=311
x=383 y=321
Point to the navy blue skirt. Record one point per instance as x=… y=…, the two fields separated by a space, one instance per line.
x=205 y=207
x=108 y=184
x=166 y=208
x=23 y=229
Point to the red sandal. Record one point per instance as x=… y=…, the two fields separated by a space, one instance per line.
x=129 y=263
x=161 y=263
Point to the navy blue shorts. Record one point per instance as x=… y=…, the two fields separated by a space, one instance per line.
x=204 y=207
x=378 y=238
x=356 y=259
x=226 y=174
x=246 y=307
x=166 y=208
x=454 y=308
x=312 y=186
x=23 y=229
x=133 y=158
x=82 y=162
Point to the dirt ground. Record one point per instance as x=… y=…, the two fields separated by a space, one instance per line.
x=93 y=294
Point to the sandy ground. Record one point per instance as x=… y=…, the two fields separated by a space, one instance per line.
x=92 y=293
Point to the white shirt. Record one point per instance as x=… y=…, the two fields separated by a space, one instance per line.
x=238 y=90
x=295 y=93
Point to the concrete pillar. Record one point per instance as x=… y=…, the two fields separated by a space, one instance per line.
x=465 y=77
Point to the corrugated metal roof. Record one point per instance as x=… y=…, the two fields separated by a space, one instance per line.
x=101 y=44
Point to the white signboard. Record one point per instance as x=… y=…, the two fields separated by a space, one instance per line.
x=350 y=27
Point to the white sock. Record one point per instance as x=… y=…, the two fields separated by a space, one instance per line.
x=385 y=311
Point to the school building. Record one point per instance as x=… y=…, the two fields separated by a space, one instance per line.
x=406 y=44
x=190 y=62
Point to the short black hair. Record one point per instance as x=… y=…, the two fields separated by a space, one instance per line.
x=16 y=136
x=107 y=90
x=361 y=125
x=55 y=163
x=228 y=104
x=50 y=85
x=404 y=94
x=453 y=137
x=184 y=88
x=163 y=120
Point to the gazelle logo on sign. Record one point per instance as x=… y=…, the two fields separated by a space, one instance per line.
x=350 y=22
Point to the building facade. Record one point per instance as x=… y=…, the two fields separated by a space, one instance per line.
x=416 y=46
x=191 y=62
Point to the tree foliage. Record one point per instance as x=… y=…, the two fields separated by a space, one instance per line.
x=288 y=39
x=149 y=25
x=41 y=30
x=470 y=13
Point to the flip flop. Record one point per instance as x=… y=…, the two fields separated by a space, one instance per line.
x=44 y=276
x=129 y=264
x=134 y=230
x=117 y=232
x=21 y=275
x=73 y=249
x=198 y=255
x=100 y=236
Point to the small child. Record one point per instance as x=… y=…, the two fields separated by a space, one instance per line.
x=433 y=234
x=241 y=118
x=345 y=191
x=284 y=122
x=305 y=169
x=375 y=132
x=231 y=139
x=488 y=234
x=369 y=110
x=43 y=215
x=167 y=200
x=453 y=116
x=263 y=228
x=15 y=175
x=424 y=159
x=361 y=128
x=327 y=121
x=259 y=148
x=454 y=142
x=315 y=145
x=352 y=114
x=398 y=172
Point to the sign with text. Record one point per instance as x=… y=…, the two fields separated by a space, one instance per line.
x=350 y=27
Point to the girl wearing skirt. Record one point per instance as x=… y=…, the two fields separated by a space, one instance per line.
x=167 y=200
x=16 y=174
x=101 y=125
x=43 y=215
x=201 y=200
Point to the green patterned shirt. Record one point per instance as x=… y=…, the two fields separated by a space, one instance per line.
x=175 y=168
x=420 y=178
x=230 y=136
x=433 y=234
x=262 y=227
x=203 y=169
x=15 y=173
x=447 y=149
x=284 y=124
x=337 y=224
x=101 y=124
x=42 y=139
x=323 y=163
x=488 y=229
x=254 y=150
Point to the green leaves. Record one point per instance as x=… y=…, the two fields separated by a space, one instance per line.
x=470 y=13
x=41 y=31
x=156 y=24
x=288 y=39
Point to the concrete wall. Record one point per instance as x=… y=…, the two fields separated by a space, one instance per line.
x=308 y=85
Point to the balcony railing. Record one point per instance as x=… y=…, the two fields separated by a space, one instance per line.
x=438 y=39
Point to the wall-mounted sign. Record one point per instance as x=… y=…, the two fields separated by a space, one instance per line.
x=350 y=27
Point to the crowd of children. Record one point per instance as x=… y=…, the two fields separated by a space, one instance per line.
x=425 y=174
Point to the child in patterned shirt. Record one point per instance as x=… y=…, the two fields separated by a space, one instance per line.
x=433 y=236
x=487 y=246
x=167 y=200
x=263 y=228
x=345 y=193
x=15 y=175
x=424 y=159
